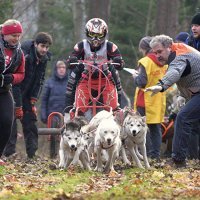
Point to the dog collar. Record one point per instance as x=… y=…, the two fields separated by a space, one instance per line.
x=101 y=145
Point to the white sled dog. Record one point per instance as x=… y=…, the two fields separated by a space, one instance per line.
x=133 y=135
x=89 y=130
x=107 y=138
x=73 y=147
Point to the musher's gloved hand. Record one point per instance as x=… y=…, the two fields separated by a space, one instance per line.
x=119 y=61
x=19 y=112
x=119 y=98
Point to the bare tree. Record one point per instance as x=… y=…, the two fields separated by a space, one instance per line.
x=26 y=11
x=99 y=8
x=79 y=19
x=167 y=17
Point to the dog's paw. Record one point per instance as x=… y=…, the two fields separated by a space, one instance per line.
x=62 y=165
x=98 y=169
x=147 y=166
x=127 y=163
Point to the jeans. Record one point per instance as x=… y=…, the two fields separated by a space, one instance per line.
x=193 y=148
x=154 y=137
x=30 y=136
x=187 y=116
x=154 y=140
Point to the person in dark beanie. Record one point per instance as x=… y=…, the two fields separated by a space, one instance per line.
x=182 y=37
x=12 y=64
x=28 y=91
x=194 y=39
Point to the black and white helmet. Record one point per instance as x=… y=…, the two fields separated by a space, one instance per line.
x=96 y=30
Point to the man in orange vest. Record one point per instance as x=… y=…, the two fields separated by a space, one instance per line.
x=184 y=70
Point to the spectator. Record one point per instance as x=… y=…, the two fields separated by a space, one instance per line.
x=182 y=37
x=183 y=70
x=149 y=72
x=194 y=41
x=53 y=100
x=27 y=93
x=12 y=64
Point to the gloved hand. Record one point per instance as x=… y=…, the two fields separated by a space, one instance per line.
x=172 y=116
x=154 y=89
x=19 y=112
x=180 y=102
x=135 y=73
x=33 y=102
x=72 y=59
x=119 y=98
x=8 y=78
x=34 y=109
x=119 y=61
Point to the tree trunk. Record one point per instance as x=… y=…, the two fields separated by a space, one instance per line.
x=79 y=19
x=99 y=9
x=26 y=11
x=167 y=17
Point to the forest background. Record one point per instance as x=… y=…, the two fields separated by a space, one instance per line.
x=128 y=21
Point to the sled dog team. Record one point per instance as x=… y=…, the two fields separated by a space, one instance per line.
x=106 y=137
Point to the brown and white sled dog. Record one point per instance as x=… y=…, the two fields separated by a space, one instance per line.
x=107 y=138
x=73 y=147
x=133 y=135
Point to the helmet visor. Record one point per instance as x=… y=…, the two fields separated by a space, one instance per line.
x=96 y=35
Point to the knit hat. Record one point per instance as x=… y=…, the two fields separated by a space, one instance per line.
x=12 y=28
x=196 y=19
x=144 y=43
x=181 y=37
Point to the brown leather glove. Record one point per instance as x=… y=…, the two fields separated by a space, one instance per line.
x=19 y=112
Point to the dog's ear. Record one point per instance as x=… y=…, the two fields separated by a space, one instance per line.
x=72 y=126
x=62 y=130
x=81 y=120
x=143 y=121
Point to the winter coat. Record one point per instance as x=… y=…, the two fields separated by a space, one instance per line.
x=11 y=62
x=53 y=96
x=31 y=86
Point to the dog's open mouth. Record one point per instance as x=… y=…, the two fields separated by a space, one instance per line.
x=73 y=148
x=134 y=132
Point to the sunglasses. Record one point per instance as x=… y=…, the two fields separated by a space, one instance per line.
x=97 y=35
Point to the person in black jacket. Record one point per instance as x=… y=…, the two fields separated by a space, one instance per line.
x=12 y=65
x=28 y=91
